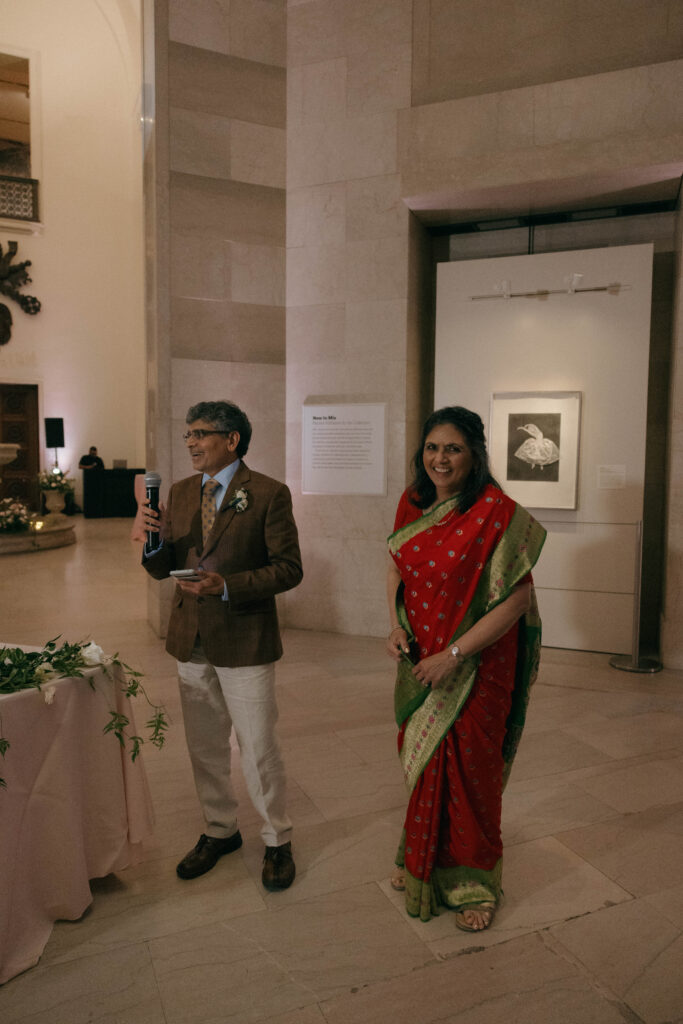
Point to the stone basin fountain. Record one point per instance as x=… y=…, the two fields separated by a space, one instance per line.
x=8 y=452
x=51 y=531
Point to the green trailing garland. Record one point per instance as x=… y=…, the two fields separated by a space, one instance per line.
x=26 y=670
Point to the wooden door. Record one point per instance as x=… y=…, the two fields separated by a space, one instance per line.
x=19 y=424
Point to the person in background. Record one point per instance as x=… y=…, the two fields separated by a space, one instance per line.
x=91 y=460
x=466 y=635
x=235 y=530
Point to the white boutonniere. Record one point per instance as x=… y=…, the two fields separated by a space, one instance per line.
x=239 y=502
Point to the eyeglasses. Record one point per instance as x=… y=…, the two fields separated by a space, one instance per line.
x=199 y=435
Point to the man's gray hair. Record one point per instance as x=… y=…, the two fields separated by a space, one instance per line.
x=223 y=416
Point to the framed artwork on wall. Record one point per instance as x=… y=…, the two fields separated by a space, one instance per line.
x=534 y=446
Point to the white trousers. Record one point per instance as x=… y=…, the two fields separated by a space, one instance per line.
x=214 y=700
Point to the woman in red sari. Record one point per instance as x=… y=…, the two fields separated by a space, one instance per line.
x=466 y=636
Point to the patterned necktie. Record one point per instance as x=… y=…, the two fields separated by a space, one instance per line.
x=208 y=507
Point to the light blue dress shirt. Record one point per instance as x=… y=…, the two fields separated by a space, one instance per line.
x=223 y=477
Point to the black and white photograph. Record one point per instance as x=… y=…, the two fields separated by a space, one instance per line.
x=534 y=445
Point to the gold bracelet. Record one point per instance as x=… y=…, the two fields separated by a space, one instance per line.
x=395 y=628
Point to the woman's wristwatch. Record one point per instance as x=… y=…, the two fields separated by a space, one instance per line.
x=456 y=653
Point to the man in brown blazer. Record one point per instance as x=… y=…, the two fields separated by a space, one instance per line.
x=233 y=529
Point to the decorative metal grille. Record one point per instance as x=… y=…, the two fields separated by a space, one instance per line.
x=18 y=198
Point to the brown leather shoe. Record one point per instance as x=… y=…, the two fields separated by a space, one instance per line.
x=205 y=855
x=278 y=868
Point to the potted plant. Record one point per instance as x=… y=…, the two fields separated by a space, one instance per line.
x=54 y=486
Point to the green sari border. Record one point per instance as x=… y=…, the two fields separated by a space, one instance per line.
x=455 y=888
x=425 y=522
x=449 y=888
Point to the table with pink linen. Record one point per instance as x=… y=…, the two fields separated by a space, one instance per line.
x=76 y=807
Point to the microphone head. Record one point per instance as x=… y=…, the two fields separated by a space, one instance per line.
x=152 y=479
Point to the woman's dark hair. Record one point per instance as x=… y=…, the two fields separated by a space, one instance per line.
x=472 y=429
x=226 y=417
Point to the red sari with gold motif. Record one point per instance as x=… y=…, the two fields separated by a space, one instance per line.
x=457 y=742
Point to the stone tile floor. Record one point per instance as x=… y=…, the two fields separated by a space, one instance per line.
x=591 y=929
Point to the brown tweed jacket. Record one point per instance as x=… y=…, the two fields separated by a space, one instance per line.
x=257 y=553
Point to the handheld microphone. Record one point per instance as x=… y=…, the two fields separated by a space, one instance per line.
x=152 y=484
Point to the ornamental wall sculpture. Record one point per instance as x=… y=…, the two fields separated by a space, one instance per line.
x=12 y=278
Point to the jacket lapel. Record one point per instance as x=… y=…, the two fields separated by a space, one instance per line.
x=225 y=514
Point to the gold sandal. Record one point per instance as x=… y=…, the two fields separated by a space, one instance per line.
x=484 y=908
x=398 y=879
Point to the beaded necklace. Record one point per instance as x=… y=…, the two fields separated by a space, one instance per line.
x=446 y=518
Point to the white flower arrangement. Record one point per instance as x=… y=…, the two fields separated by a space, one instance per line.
x=14 y=516
x=55 y=480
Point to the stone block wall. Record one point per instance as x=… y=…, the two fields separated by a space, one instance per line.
x=227 y=113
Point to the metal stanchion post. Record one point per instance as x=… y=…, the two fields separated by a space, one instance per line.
x=633 y=662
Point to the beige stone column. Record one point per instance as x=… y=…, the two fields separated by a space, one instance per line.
x=158 y=412
x=216 y=225
x=349 y=67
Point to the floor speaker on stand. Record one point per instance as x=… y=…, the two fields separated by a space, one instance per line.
x=54 y=434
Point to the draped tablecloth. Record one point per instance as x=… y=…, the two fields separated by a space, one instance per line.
x=76 y=807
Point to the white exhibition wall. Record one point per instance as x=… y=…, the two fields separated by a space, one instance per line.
x=595 y=342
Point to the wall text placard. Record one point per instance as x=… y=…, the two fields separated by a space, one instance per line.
x=344 y=448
